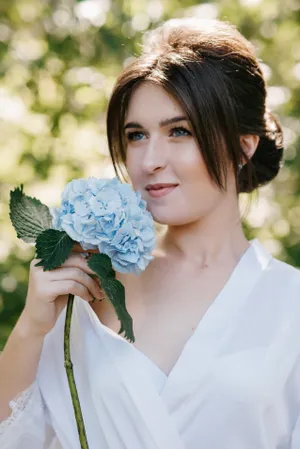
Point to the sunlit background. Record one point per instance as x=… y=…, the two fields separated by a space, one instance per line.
x=59 y=60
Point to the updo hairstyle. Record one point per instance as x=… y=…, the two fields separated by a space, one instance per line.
x=212 y=71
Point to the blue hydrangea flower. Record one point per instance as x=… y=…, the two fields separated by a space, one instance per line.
x=108 y=215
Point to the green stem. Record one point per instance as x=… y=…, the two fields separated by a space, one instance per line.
x=70 y=375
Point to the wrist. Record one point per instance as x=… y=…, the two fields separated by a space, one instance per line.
x=25 y=328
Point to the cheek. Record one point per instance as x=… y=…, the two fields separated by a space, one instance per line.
x=134 y=173
x=191 y=167
x=198 y=194
x=189 y=155
x=192 y=201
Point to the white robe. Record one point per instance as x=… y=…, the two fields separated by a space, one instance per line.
x=235 y=385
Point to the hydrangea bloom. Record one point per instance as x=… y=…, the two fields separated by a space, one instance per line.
x=108 y=215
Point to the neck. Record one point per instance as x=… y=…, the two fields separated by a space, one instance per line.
x=216 y=238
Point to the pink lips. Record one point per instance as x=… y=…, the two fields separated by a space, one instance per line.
x=157 y=193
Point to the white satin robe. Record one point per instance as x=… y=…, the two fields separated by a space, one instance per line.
x=235 y=385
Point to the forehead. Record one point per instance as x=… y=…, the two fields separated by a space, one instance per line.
x=149 y=100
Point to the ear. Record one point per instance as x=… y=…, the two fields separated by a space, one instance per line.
x=249 y=144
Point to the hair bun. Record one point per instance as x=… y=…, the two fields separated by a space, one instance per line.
x=268 y=157
x=273 y=128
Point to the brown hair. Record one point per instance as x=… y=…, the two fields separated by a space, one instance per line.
x=212 y=71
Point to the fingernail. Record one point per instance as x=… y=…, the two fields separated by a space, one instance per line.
x=84 y=255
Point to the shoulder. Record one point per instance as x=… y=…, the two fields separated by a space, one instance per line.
x=274 y=268
x=281 y=282
x=278 y=284
x=285 y=272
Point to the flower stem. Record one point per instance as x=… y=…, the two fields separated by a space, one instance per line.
x=70 y=375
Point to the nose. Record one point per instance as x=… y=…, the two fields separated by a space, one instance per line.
x=155 y=156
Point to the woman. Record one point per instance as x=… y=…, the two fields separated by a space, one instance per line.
x=215 y=363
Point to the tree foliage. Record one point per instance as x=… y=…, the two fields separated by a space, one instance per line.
x=59 y=60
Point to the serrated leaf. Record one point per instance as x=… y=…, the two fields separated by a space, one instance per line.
x=101 y=264
x=28 y=215
x=53 y=247
x=115 y=293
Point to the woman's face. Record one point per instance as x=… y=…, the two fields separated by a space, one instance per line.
x=168 y=153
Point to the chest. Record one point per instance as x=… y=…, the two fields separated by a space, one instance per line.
x=167 y=303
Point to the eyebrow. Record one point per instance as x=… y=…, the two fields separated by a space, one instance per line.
x=162 y=123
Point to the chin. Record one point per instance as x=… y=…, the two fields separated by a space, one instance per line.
x=170 y=219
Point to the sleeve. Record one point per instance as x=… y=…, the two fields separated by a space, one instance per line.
x=295 y=442
x=28 y=426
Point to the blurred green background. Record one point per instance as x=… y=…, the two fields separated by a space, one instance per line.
x=58 y=62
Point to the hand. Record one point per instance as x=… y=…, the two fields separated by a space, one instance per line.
x=77 y=248
x=48 y=290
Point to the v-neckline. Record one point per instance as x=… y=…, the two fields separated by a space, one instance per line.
x=253 y=244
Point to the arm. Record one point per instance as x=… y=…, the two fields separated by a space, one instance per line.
x=47 y=296
x=18 y=363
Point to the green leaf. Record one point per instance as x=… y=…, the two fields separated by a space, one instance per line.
x=28 y=215
x=114 y=291
x=101 y=264
x=53 y=247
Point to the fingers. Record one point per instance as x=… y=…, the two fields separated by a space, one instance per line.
x=77 y=248
x=75 y=260
x=65 y=287
x=76 y=274
x=74 y=269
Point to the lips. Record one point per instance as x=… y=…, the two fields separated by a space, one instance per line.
x=159 y=186
x=161 y=191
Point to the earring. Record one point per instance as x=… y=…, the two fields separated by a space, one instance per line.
x=240 y=166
